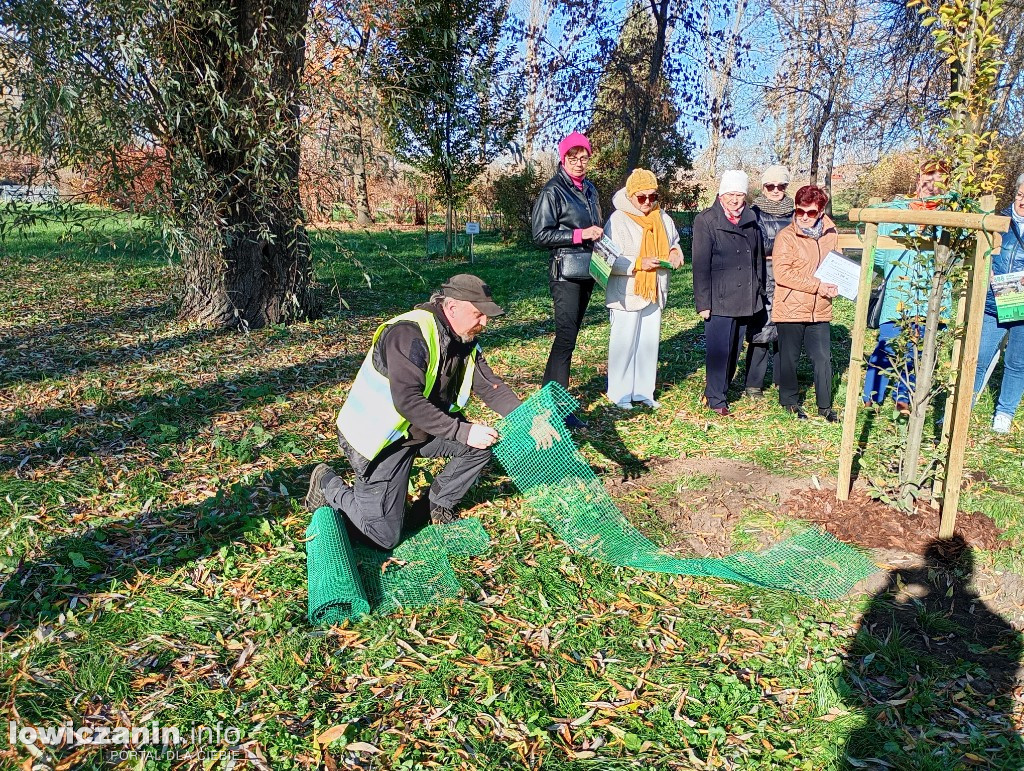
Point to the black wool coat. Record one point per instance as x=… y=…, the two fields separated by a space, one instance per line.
x=728 y=263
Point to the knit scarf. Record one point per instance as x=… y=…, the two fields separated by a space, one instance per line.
x=815 y=230
x=654 y=244
x=783 y=208
x=1018 y=218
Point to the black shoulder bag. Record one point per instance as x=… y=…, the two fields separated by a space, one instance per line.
x=875 y=301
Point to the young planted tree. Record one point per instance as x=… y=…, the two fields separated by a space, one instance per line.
x=454 y=94
x=965 y=33
x=215 y=87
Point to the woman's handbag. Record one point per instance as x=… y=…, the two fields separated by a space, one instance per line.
x=875 y=300
x=875 y=305
x=574 y=265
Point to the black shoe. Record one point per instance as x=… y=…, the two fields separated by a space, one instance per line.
x=573 y=423
x=829 y=415
x=797 y=410
x=442 y=515
x=318 y=480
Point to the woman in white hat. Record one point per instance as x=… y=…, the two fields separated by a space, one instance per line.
x=728 y=282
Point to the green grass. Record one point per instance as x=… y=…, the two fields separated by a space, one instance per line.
x=152 y=560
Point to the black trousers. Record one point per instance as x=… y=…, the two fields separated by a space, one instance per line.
x=376 y=504
x=758 y=356
x=571 y=299
x=815 y=338
x=722 y=338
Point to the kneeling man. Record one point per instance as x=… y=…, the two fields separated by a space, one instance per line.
x=406 y=402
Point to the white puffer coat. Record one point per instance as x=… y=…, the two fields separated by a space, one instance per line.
x=628 y=236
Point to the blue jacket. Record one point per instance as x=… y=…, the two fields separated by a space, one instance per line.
x=906 y=288
x=1009 y=258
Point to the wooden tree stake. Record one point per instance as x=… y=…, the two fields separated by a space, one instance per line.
x=977 y=288
x=855 y=372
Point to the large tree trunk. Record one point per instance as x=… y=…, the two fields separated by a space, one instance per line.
x=246 y=263
x=362 y=193
x=660 y=10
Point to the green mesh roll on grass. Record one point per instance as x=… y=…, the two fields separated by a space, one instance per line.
x=346 y=582
x=564 y=491
x=335 y=589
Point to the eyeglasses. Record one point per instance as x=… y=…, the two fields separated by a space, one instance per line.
x=642 y=199
x=1020 y=196
x=807 y=212
x=771 y=188
x=581 y=159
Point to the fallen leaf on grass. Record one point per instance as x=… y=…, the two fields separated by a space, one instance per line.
x=362 y=747
x=332 y=733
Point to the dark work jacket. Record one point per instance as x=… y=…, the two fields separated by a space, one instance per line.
x=560 y=208
x=770 y=226
x=728 y=263
x=401 y=355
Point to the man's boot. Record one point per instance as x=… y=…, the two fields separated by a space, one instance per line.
x=442 y=515
x=318 y=481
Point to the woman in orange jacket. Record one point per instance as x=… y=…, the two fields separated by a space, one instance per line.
x=802 y=309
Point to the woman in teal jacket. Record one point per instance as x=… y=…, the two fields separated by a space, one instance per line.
x=905 y=300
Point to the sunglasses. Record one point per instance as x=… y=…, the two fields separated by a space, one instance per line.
x=807 y=212
x=773 y=187
x=642 y=199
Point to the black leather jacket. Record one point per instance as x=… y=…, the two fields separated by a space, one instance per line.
x=560 y=208
x=770 y=226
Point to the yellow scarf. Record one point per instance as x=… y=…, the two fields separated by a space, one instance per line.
x=654 y=244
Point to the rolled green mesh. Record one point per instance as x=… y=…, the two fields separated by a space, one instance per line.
x=335 y=589
x=345 y=582
x=563 y=490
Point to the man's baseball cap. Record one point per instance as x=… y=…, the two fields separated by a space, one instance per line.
x=464 y=286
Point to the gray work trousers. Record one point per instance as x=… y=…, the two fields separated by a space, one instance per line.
x=375 y=505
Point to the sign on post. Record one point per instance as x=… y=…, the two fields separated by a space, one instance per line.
x=472 y=229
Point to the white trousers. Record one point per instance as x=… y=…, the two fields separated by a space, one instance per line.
x=633 y=354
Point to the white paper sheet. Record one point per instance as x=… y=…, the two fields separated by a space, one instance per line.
x=841 y=271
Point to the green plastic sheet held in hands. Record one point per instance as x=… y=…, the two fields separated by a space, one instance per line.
x=562 y=488
x=345 y=582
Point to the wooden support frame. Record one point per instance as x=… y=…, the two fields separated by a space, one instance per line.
x=970 y=309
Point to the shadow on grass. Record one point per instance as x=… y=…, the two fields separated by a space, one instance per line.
x=935 y=669
x=158 y=421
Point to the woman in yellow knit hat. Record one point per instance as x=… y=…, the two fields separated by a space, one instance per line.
x=637 y=288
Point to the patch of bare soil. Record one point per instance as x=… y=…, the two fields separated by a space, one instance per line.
x=710 y=496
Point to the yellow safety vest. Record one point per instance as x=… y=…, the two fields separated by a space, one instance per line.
x=368 y=419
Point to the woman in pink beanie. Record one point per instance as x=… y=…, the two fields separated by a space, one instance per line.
x=565 y=221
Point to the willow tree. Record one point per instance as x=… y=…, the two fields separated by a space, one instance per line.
x=209 y=92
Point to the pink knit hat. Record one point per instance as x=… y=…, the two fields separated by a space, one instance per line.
x=575 y=139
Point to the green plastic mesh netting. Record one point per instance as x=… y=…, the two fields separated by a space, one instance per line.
x=346 y=582
x=561 y=487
